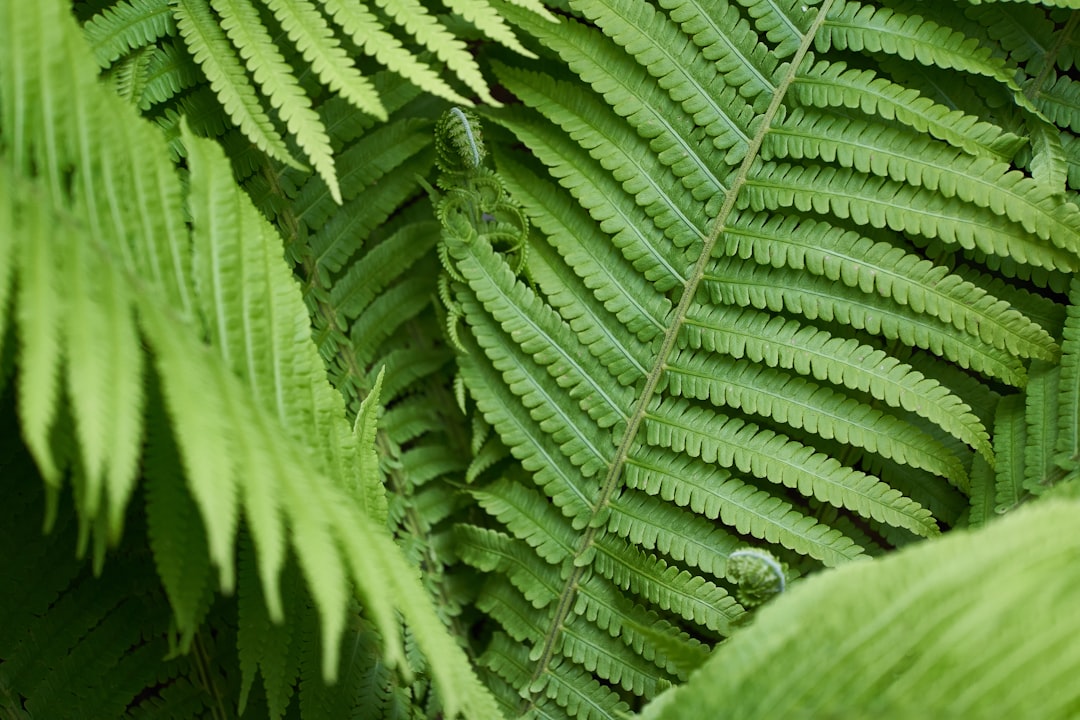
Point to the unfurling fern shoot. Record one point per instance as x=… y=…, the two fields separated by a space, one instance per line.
x=759 y=574
x=476 y=203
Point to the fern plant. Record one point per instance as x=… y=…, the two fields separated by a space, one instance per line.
x=895 y=638
x=728 y=294
x=158 y=49
x=755 y=310
x=108 y=243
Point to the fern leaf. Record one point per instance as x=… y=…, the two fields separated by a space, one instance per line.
x=488 y=21
x=774 y=669
x=542 y=335
x=8 y=219
x=1048 y=163
x=714 y=493
x=306 y=27
x=386 y=314
x=622 y=214
x=834 y=84
x=127 y=25
x=39 y=312
x=240 y=21
x=862 y=27
x=778 y=342
x=169 y=70
x=511 y=661
x=1059 y=99
x=1068 y=439
x=690 y=79
x=626 y=296
x=1010 y=439
x=905 y=157
x=416 y=20
x=370 y=488
x=983 y=498
x=251 y=411
x=588 y=646
x=106 y=384
x=1041 y=417
x=881 y=202
x=354 y=291
x=535 y=451
x=886 y=270
x=262 y=646
x=752 y=286
x=391 y=148
x=733 y=443
x=668 y=587
x=683 y=536
x=201 y=427
x=210 y=48
x=595 y=355
x=177 y=537
x=370 y=35
x=802 y=404
x=221 y=219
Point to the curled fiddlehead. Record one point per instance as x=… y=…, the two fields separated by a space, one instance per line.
x=474 y=204
x=759 y=575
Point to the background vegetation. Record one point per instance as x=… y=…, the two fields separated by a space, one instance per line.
x=325 y=399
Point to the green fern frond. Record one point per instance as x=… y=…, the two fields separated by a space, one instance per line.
x=783 y=343
x=1068 y=439
x=240 y=21
x=1041 y=415
x=683 y=536
x=168 y=71
x=909 y=158
x=880 y=203
x=834 y=84
x=369 y=483
x=921 y=658
x=1010 y=434
x=369 y=34
x=128 y=25
x=369 y=275
x=176 y=533
x=731 y=442
x=776 y=290
x=267 y=55
x=1059 y=99
x=257 y=427
x=802 y=404
x=315 y=39
x=983 y=499
x=740 y=505
x=644 y=366
x=856 y=26
x=889 y=271
x=209 y=46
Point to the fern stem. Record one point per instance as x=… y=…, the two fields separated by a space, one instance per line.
x=565 y=602
x=1050 y=58
x=202 y=663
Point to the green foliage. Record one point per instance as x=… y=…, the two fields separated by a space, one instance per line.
x=911 y=634
x=162 y=51
x=743 y=301
x=257 y=428
x=329 y=399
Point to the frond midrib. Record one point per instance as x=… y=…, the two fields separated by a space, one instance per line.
x=565 y=602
